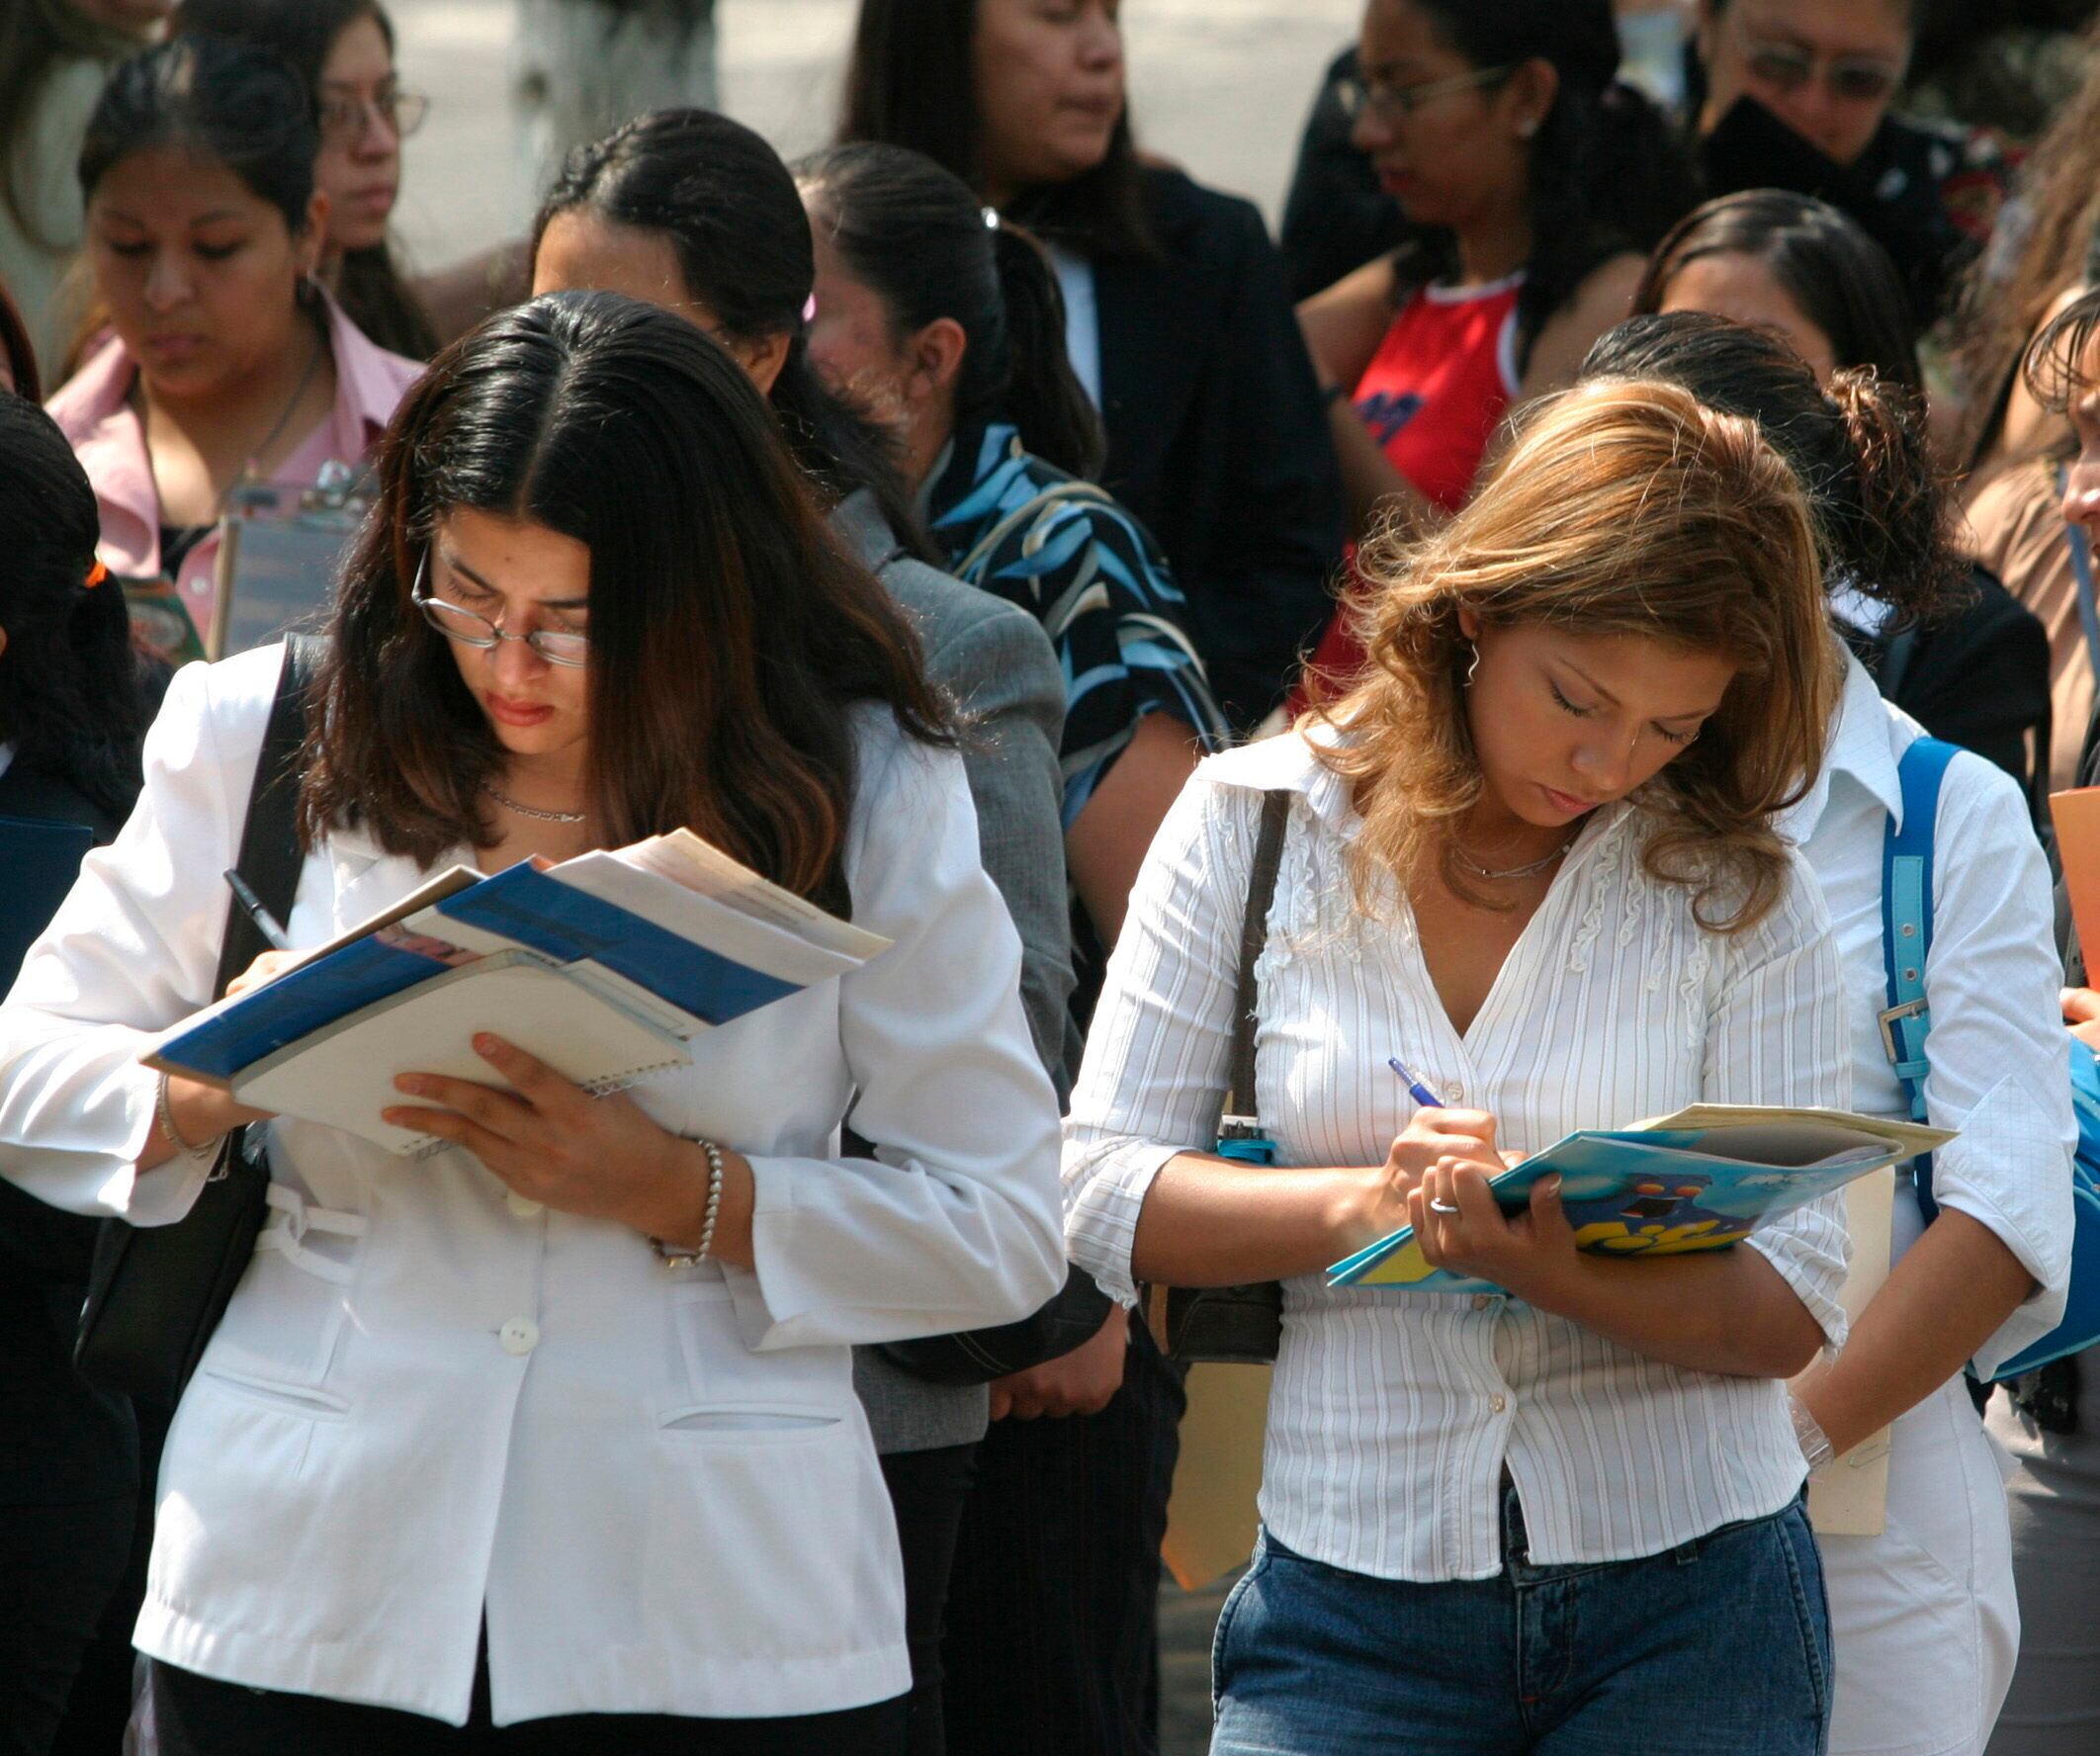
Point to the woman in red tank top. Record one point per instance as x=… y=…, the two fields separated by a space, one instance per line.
x=1538 y=181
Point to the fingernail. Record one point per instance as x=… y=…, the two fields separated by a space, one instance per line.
x=486 y=1044
x=412 y=1084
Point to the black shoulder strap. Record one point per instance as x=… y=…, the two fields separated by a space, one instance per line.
x=1254 y=934
x=270 y=853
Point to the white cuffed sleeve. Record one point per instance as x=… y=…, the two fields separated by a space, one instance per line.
x=953 y=1224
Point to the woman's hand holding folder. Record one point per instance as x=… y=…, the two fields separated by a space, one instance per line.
x=602 y=1158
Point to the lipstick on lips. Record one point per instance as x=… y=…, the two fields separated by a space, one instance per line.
x=506 y=712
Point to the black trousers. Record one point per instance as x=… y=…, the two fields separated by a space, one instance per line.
x=928 y=1492
x=59 y=1566
x=202 y=1716
x=1053 y=1625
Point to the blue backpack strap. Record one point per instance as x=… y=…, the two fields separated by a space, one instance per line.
x=1906 y=930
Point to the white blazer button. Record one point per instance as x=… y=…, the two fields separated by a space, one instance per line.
x=524 y=1206
x=1454 y=1093
x=519 y=1336
x=1498 y=1402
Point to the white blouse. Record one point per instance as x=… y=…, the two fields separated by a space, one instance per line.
x=1393 y=1414
x=433 y=1403
x=1998 y=1049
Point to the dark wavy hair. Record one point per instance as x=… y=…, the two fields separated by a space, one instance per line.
x=70 y=700
x=914 y=236
x=1860 y=450
x=734 y=219
x=729 y=638
x=1845 y=283
x=1608 y=173
x=909 y=82
x=370 y=286
x=227 y=103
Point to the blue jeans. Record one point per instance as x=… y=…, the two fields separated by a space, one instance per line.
x=1718 y=1648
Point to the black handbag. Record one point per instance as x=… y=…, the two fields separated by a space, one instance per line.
x=155 y=1293
x=1234 y=1324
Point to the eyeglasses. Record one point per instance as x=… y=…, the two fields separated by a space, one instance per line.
x=1789 y=67
x=458 y=623
x=342 y=114
x=1395 y=102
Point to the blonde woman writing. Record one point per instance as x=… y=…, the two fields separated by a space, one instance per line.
x=1532 y=858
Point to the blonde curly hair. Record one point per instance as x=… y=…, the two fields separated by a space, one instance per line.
x=1617 y=508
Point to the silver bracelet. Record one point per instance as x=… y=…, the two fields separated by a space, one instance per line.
x=164 y=1112
x=1808 y=1434
x=670 y=1255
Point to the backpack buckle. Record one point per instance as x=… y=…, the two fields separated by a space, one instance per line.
x=1895 y=1016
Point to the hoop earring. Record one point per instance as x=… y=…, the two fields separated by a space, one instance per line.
x=1473 y=670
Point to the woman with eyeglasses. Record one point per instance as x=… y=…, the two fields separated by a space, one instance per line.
x=1535 y=179
x=344 y=51
x=226 y=361
x=548 y=1443
x=1499 y=125
x=1798 y=95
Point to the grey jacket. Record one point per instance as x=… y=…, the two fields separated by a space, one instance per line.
x=992 y=660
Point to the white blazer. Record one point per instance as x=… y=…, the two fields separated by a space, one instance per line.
x=431 y=1400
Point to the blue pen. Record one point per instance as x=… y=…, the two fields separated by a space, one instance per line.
x=1416 y=1089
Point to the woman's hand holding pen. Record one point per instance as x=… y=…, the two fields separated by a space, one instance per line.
x=604 y=1157
x=1431 y=1135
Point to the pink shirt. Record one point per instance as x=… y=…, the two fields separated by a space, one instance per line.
x=94 y=412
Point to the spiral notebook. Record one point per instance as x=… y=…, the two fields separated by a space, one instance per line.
x=343 y=1073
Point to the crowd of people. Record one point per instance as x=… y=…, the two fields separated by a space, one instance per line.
x=1492 y=627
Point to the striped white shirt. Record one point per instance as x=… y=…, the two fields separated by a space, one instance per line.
x=1393 y=1414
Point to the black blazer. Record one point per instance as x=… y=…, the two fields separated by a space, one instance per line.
x=1217 y=439
x=62 y=1442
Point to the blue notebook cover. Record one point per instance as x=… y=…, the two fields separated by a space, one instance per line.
x=568 y=925
x=40 y=860
x=523 y=905
x=1640 y=1193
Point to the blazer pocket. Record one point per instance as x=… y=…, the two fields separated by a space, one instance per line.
x=723 y=1378
x=285 y=1322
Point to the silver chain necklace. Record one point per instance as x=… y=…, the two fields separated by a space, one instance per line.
x=1470 y=864
x=510 y=804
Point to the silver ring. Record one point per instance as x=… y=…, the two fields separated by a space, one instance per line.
x=1437 y=1206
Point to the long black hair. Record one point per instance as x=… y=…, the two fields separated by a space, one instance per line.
x=70 y=700
x=910 y=82
x=369 y=286
x=1608 y=173
x=1860 y=450
x=1845 y=283
x=731 y=213
x=914 y=236
x=729 y=638
x=227 y=103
